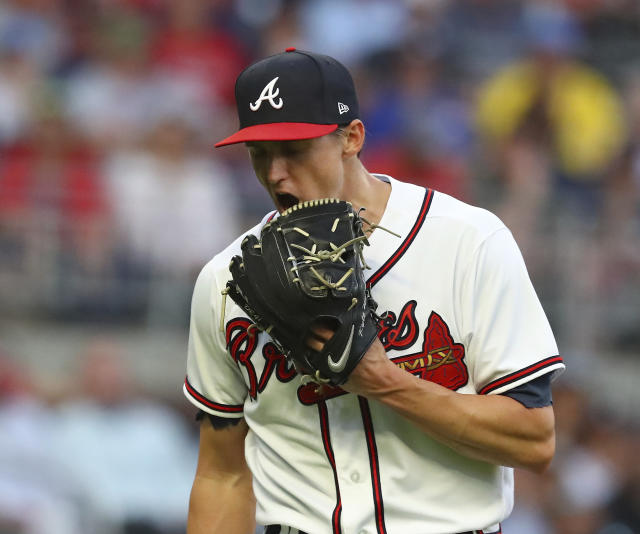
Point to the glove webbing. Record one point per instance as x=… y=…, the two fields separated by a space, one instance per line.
x=333 y=255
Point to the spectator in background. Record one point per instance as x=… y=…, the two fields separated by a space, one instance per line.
x=32 y=29
x=192 y=52
x=613 y=32
x=553 y=100
x=17 y=79
x=596 y=468
x=603 y=267
x=480 y=36
x=591 y=487
x=35 y=495
x=32 y=43
x=417 y=116
x=53 y=209
x=533 y=495
x=173 y=206
x=111 y=98
x=272 y=24
x=352 y=30
x=418 y=125
x=196 y=48
x=616 y=284
x=553 y=124
x=624 y=509
x=130 y=455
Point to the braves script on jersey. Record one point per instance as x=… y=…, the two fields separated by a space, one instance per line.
x=461 y=312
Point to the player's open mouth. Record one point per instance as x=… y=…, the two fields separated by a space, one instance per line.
x=285 y=200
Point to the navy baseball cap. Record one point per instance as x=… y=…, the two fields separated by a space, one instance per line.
x=293 y=95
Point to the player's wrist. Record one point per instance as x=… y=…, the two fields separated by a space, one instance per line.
x=376 y=376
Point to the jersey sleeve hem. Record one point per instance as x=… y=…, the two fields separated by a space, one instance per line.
x=553 y=364
x=209 y=406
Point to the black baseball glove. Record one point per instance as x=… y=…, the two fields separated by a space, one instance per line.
x=307 y=270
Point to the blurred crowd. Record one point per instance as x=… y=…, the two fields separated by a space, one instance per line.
x=96 y=454
x=112 y=198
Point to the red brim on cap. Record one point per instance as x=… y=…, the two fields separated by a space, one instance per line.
x=278 y=131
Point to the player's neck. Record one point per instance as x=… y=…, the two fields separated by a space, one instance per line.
x=367 y=191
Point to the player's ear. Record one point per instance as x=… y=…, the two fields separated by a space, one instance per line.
x=354 y=138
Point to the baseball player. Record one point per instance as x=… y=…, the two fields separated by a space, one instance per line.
x=453 y=393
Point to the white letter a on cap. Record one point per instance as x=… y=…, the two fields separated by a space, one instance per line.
x=268 y=93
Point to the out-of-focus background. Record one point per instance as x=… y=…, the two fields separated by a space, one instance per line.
x=112 y=198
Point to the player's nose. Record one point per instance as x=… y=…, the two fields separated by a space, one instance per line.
x=277 y=170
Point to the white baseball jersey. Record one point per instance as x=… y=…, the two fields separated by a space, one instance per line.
x=462 y=313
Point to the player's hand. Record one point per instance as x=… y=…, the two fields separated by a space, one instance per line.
x=372 y=375
x=375 y=374
x=319 y=335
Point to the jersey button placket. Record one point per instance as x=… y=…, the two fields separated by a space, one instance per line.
x=355 y=477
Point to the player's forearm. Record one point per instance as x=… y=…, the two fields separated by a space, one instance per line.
x=491 y=428
x=222 y=504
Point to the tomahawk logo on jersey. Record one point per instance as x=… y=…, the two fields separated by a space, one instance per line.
x=460 y=311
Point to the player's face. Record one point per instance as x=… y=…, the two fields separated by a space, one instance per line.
x=295 y=171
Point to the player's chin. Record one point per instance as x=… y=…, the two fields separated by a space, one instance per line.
x=285 y=200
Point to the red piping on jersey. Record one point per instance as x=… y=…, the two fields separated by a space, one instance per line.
x=271 y=217
x=426 y=204
x=374 y=465
x=328 y=449
x=517 y=375
x=364 y=405
x=227 y=408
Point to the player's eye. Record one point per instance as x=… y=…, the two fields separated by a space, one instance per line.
x=290 y=150
x=294 y=148
x=256 y=152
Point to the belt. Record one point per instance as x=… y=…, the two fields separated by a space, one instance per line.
x=281 y=529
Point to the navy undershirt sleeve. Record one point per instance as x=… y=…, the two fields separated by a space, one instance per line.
x=534 y=394
x=218 y=422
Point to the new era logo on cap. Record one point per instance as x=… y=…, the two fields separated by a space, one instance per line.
x=293 y=95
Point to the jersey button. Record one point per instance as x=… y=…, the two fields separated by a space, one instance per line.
x=355 y=476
